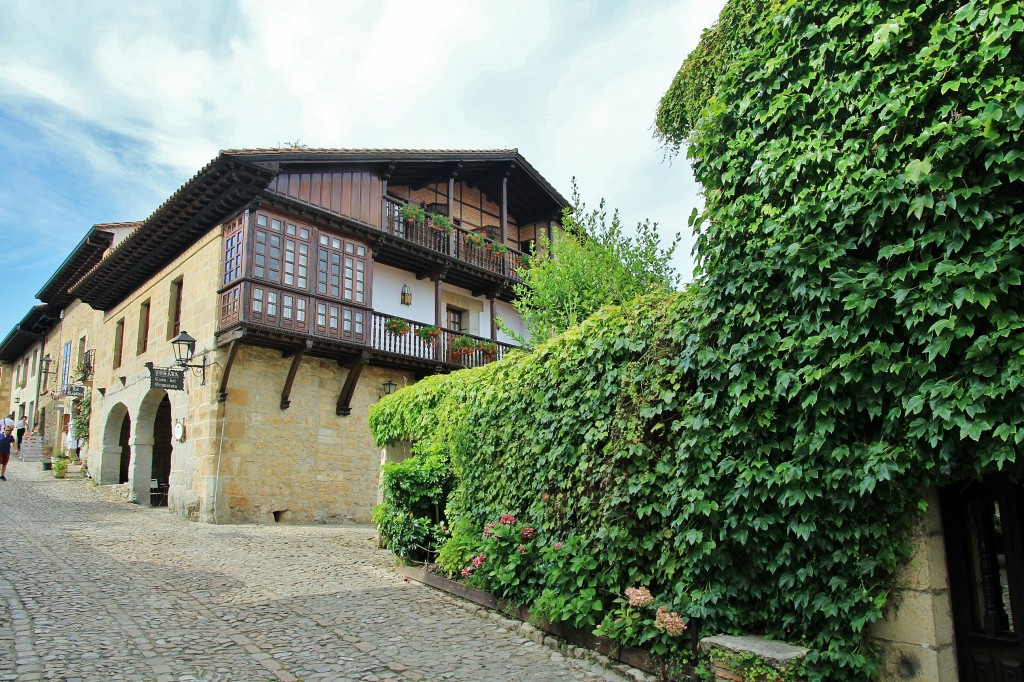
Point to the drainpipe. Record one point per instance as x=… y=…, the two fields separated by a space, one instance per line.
x=220 y=450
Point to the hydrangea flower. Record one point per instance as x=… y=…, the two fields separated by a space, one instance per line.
x=528 y=533
x=478 y=560
x=639 y=596
x=508 y=519
x=671 y=623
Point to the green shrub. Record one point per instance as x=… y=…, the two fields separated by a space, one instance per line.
x=414 y=493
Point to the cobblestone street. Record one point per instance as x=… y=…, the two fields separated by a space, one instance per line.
x=94 y=588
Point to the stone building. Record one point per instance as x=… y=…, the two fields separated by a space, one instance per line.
x=302 y=285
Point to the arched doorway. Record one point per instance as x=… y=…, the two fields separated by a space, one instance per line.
x=115 y=454
x=124 y=442
x=162 y=449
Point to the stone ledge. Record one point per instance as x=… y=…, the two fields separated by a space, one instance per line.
x=778 y=655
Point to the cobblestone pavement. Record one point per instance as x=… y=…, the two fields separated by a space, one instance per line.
x=94 y=588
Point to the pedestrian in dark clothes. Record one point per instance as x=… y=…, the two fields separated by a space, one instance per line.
x=5 y=451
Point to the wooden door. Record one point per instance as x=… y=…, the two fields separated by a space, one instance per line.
x=982 y=524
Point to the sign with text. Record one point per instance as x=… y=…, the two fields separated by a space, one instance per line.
x=75 y=390
x=167 y=378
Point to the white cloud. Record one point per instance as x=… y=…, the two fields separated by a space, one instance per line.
x=144 y=94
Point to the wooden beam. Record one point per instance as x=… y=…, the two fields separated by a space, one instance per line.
x=232 y=352
x=355 y=368
x=296 y=355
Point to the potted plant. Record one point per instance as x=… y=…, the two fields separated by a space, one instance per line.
x=429 y=334
x=46 y=460
x=488 y=349
x=82 y=371
x=462 y=345
x=396 y=326
x=474 y=239
x=499 y=250
x=441 y=222
x=60 y=467
x=413 y=213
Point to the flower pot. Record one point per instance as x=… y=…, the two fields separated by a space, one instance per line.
x=47 y=465
x=60 y=473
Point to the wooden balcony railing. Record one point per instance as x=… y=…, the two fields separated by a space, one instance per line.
x=469 y=247
x=290 y=311
x=308 y=315
x=474 y=352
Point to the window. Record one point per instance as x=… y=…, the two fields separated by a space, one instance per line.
x=456 y=319
x=341 y=269
x=65 y=364
x=118 y=345
x=233 y=249
x=143 y=328
x=80 y=359
x=173 y=311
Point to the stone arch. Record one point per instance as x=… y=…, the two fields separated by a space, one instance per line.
x=151 y=445
x=115 y=448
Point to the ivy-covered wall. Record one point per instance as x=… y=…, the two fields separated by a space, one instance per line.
x=755 y=451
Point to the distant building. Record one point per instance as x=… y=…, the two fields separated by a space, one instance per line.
x=312 y=282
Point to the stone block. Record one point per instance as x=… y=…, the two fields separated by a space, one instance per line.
x=912 y=619
x=777 y=654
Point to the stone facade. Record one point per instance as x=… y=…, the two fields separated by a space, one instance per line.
x=244 y=459
x=305 y=463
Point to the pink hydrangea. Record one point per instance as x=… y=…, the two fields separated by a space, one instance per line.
x=466 y=571
x=671 y=623
x=528 y=533
x=558 y=545
x=522 y=550
x=639 y=596
x=478 y=560
x=508 y=519
x=489 y=529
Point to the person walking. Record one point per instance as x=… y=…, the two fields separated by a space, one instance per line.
x=7 y=421
x=20 y=430
x=5 y=451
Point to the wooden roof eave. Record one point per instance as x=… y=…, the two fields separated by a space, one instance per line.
x=226 y=184
x=32 y=328
x=81 y=260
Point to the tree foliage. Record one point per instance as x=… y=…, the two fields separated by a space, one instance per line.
x=755 y=451
x=592 y=264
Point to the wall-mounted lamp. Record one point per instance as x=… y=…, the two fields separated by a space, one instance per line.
x=406 y=295
x=17 y=401
x=184 y=348
x=44 y=365
x=390 y=387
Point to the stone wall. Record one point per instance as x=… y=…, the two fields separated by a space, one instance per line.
x=916 y=637
x=304 y=464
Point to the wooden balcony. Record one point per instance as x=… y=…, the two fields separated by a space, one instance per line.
x=277 y=317
x=444 y=349
x=472 y=248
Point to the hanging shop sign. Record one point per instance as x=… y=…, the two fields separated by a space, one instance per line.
x=167 y=378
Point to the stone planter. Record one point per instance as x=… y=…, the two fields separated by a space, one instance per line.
x=60 y=473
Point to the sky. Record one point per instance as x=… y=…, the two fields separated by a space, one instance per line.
x=108 y=107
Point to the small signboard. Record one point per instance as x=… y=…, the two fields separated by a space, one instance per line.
x=74 y=390
x=167 y=378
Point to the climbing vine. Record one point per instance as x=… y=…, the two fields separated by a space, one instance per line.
x=755 y=451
